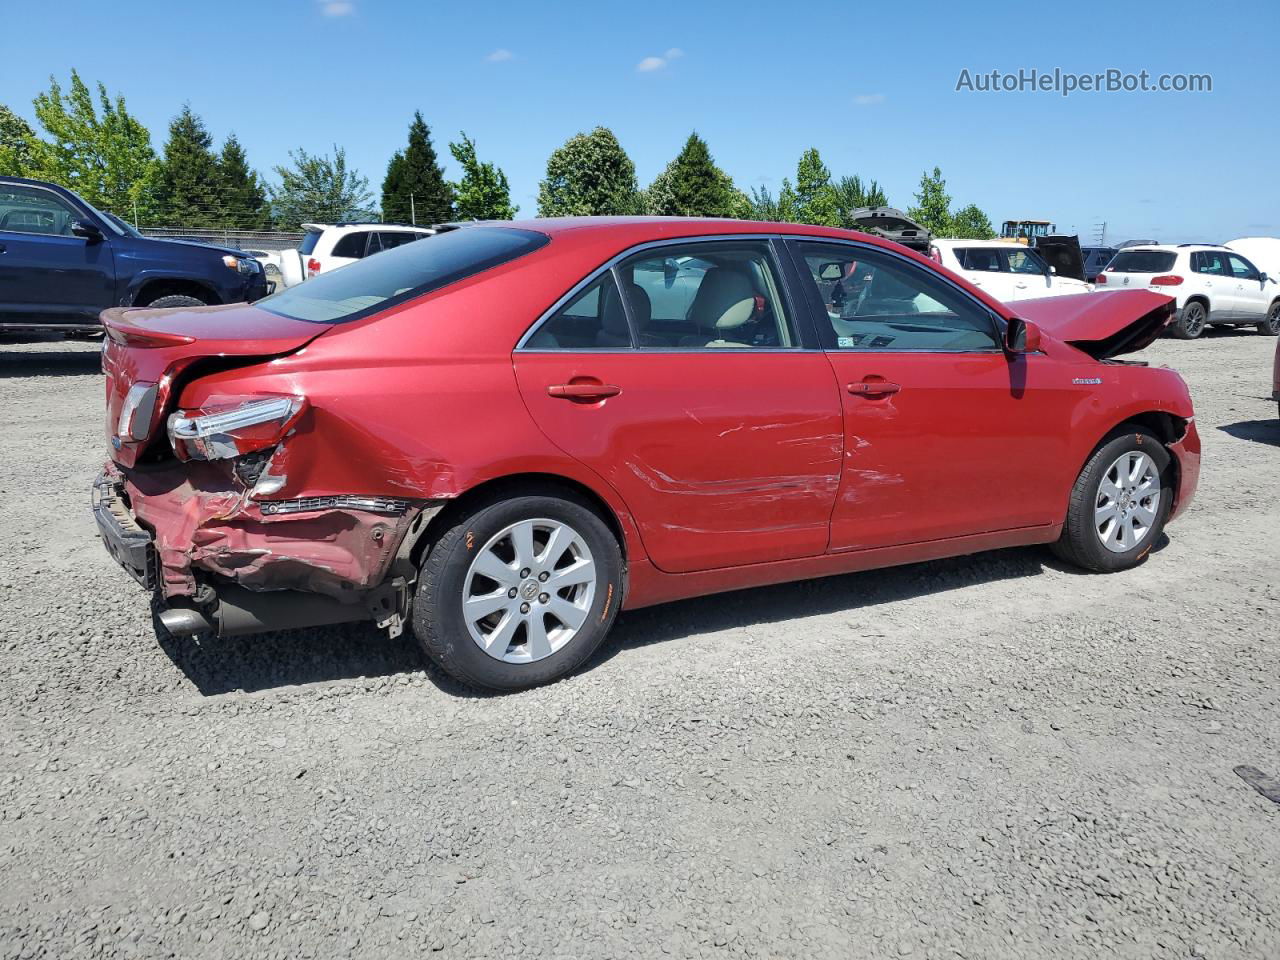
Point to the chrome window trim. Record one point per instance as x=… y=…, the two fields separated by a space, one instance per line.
x=610 y=265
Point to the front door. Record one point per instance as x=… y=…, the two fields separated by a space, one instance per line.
x=1252 y=295
x=697 y=400
x=47 y=274
x=945 y=435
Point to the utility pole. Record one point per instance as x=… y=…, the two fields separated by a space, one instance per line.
x=135 y=214
x=413 y=211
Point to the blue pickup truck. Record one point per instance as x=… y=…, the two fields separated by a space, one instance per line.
x=62 y=262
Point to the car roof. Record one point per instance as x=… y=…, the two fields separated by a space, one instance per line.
x=629 y=231
x=951 y=242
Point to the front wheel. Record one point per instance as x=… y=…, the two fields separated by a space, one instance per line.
x=1118 y=505
x=519 y=592
x=1270 y=325
x=175 y=300
x=1191 y=321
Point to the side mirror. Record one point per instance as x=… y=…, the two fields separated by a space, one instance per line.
x=669 y=270
x=1053 y=271
x=82 y=228
x=1263 y=278
x=831 y=271
x=1021 y=336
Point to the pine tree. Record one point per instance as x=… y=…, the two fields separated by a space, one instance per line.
x=589 y=176
x=483 y=192
x=188 y=190
x=17 y=145
x=852 y=194
x=692 y=186
x=415 y=190
x=243 y=196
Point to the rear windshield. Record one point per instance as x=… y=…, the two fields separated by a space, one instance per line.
x=408 y=271
x=308 y=243
x=1142 y=261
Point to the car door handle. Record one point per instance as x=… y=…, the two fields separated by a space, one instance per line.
x=583 y=391
x=873 y=388
x=1020 y=286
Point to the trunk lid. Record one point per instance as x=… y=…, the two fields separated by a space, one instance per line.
x=1102 y=324
x=156 y=347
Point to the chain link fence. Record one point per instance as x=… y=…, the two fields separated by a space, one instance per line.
x=239 y=239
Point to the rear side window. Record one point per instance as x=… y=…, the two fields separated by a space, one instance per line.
x=1142 y=261
x=401 y=274
x=309 y=240
x=352 y=245
x=1210 y=262
x=397 y=239
x=593 y=320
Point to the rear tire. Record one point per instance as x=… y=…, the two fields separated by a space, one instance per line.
x=176 y=300
x=1270 y=327
x=1106 y=505
x=1191 y=321
x=479 y=560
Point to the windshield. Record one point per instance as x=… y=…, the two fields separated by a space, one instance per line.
x=120 y=225
x=1142 y=261
x=408 y=271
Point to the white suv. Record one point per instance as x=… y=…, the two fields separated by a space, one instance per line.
x=1212 y=285
x=327 y=246
x=1008 y=271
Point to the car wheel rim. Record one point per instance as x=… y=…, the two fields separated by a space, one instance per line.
x=528 y=590
x=1128 y=502
x=1195 y=320
x=1273 y=320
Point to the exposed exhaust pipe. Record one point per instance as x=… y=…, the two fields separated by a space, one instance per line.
x=238 y=611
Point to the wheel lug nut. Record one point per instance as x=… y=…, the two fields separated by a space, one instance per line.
x=524 y=572
x=512 y=593
x=524 y=608
x=543 y=576
x=544 y=597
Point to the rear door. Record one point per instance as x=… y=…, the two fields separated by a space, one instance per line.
x=681 y=377
x=348 y=248
x=48 y=274
x=945 y=435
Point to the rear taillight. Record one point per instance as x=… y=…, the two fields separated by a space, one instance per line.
x=935 y=254
x=233 y=430
x=1168 y=280
x=136 y=412
x=313 y=267
x=1100 y=278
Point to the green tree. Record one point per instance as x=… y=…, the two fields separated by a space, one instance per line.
x=17 y=145
x=933 y=204
x=816 y=199
x=693 y=186
x=316 y=188
x=780 y=209
x=589 y=176
x=483 y=192
x=188 y=186
x=243 y=195
x=970 y=223
x=96 y=148
x=414 y=189
x=852 y=194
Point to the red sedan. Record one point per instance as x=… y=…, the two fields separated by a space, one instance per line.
x=506 y=433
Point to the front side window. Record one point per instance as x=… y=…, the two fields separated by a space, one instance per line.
x=710 y=295
x=31 y=210
x=1024 y=261
x=1241 y=268
x=873 y=301
x=401 y=274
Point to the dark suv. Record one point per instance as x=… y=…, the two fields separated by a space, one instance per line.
x=62 y=262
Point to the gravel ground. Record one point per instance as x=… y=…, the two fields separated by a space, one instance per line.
x=984 y=757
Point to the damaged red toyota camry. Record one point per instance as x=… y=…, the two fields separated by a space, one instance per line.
x=504 y=434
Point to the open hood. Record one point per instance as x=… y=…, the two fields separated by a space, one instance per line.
x=1102 y=324
x=1063 y=254
x=892 y=224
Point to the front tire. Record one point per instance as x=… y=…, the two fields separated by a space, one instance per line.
x=1191 y=321
x=1270 y=326
x=176 y=300
x=518 y=592
x=1118 y=505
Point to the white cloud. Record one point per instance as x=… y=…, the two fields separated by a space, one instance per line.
x=675 y=53
x=868 y=99
x=500 y=55
x=649 y=64
x=337 y=8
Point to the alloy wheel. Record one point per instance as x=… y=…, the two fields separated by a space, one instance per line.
x=1273 y=319
x=1128 y=502
x=528 y=590
x=1193 y=320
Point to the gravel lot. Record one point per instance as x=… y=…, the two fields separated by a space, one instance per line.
x=984 y=757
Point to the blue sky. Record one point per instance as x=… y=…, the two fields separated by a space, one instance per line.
x=872 y=86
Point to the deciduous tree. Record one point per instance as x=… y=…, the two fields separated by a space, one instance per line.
x=933 y=204
x=17 y=145
x=317 y=188
x=589 y=176
x=483 y=192
x=970 y=223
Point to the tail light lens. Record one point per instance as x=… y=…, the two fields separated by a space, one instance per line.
x=233 y=430
x=313 y=267
x=136 y=412
x=1168 y=280
x=1100 y=279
